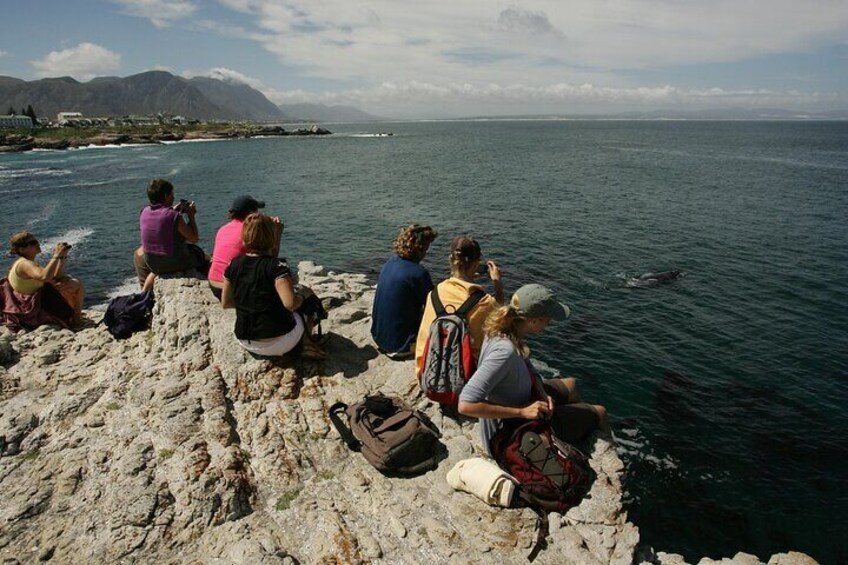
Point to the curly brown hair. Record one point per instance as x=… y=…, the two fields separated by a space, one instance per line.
x=20 y=241
x=413 y=241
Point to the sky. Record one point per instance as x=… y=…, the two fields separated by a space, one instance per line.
x=452 y=58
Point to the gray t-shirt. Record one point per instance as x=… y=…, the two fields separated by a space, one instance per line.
x=502 y=377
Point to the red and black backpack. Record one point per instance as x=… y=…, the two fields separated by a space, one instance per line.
x=448 y=358
x=552 y=475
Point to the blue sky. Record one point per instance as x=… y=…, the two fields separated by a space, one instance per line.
x=446 y=58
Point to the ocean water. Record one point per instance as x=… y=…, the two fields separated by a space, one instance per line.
x=728 y=387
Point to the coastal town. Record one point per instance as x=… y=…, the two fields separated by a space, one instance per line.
x=71 y=119
x=68 y=130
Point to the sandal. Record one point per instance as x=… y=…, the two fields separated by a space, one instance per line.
x=312 y=351
x=321 y=340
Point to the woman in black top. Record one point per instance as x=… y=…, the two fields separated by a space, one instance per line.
x=261 y=289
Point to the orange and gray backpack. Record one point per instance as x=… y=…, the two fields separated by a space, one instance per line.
x=448 y=359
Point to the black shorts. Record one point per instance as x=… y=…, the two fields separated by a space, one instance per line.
x=571 y=422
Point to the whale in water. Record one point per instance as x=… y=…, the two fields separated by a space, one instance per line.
x=650 y=279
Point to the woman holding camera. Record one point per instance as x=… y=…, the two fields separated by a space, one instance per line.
x=61 y=296
x=465 y=260
x=261 y=288
x=168 y=235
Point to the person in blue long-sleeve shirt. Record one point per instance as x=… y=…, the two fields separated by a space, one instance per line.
x=401 y=293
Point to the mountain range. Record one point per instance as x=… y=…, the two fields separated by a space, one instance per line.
x=159 y=91
x=215 y=99
x=322 y=113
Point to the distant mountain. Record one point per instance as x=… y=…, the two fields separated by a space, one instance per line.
x=144 y=93
x=738 y=114
x=763 y=114
x=322 y=113
x=250 y=103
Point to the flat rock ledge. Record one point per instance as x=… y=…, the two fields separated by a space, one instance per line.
x=176 y=446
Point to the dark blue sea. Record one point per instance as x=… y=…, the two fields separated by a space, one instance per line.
x=729 y=386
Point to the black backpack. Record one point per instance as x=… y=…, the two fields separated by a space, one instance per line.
x=394 y=438
x=128 y=314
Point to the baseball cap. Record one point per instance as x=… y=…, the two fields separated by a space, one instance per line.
x=537 y=301
x=246 y=203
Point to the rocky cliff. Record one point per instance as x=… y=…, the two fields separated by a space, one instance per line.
x=176 y=446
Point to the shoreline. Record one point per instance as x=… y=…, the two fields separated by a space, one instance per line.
x=55 y=141
x=175 y=444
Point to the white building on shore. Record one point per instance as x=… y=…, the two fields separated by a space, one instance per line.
x=15 y=121
x=64 y=117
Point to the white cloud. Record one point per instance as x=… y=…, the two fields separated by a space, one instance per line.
x=230 y=75
x=442 y=41
x=161 y=13
x=392 y=98
x=226 y=75
x=85 y=61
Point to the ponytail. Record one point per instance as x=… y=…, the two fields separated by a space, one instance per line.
x=504 y=322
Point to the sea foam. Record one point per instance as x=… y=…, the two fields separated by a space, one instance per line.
x=75 y=237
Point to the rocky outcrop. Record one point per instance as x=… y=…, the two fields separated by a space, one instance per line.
x=16 y=143
x=176 y=446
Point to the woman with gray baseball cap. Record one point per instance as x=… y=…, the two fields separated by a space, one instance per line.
x=505 y=384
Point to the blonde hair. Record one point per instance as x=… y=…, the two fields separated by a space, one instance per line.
x=258 y=233
x=20 y=241
x=413 y=241
x=504 y=322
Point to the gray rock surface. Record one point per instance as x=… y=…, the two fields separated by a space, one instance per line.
x=176 y=446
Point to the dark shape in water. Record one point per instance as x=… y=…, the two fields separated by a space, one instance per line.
x=652 y=279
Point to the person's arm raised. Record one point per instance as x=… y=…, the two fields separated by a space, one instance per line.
x=31 y=270
x=188 y=230
x=495 y=275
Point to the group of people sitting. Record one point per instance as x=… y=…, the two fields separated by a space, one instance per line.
x=275 y=315
x=504 y=384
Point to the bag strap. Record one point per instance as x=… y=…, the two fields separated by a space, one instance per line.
x=537 y=389
x=437 y=303
x=352 y=443
x=470 y=303
x=541 y=521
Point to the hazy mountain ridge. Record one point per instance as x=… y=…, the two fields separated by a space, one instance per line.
x=144 y=93
x=249 y=102
x=744 y=114
x=324 y=113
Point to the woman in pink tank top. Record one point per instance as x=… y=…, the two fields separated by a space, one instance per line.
x=228 y=241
